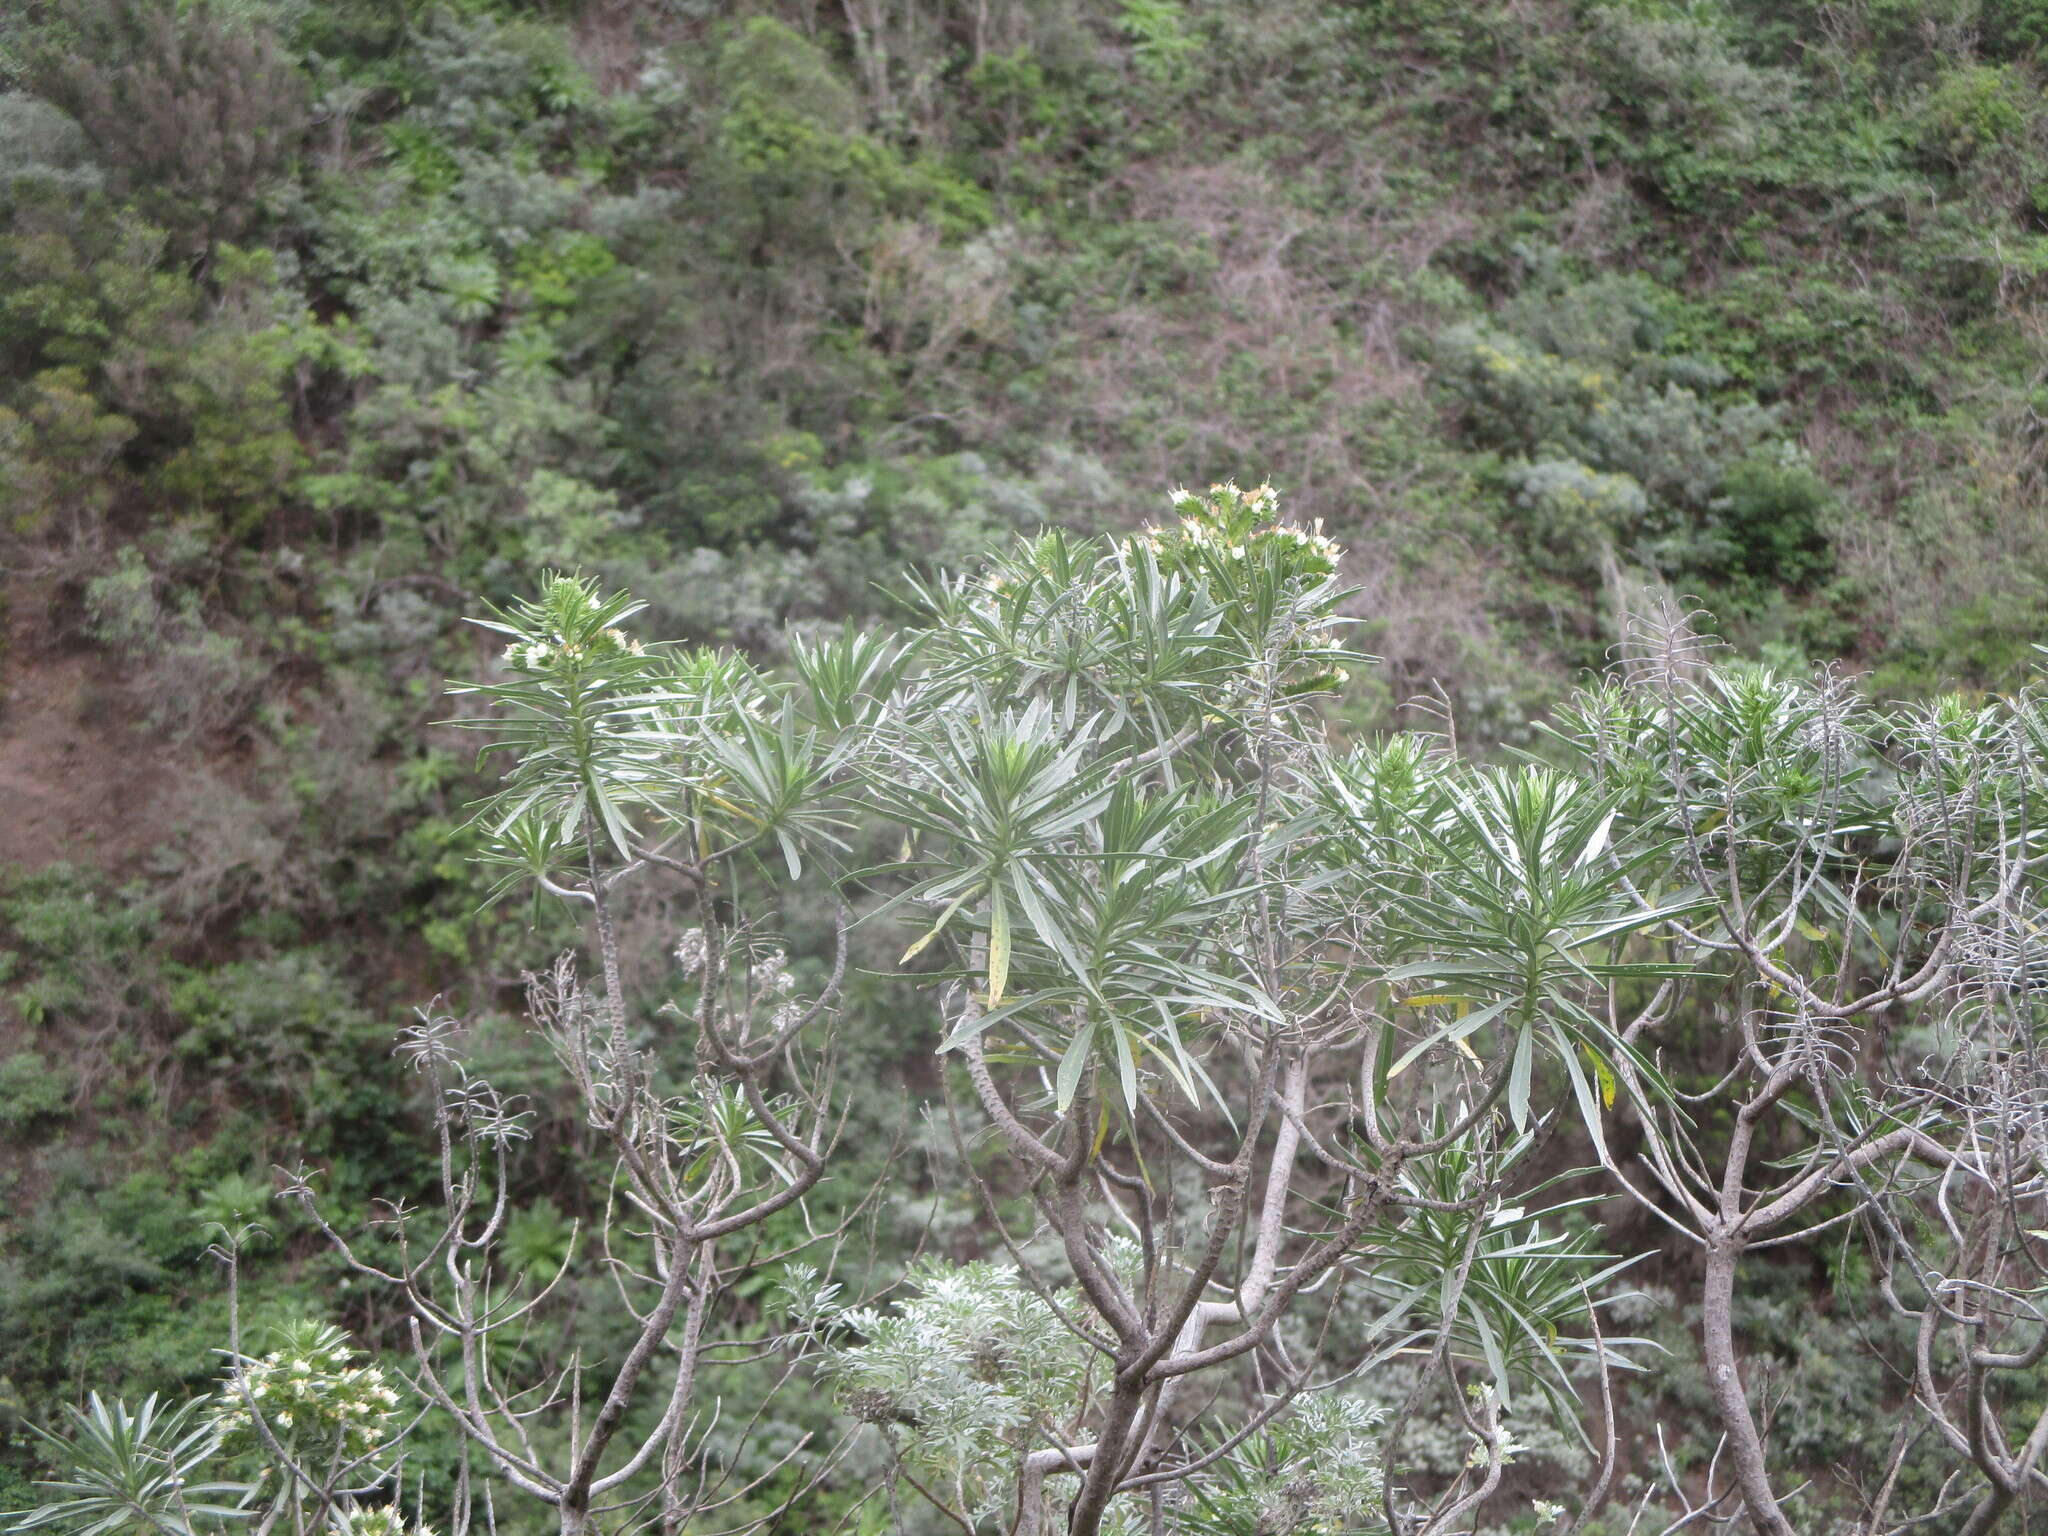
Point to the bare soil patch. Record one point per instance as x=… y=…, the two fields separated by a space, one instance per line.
x=79 y=782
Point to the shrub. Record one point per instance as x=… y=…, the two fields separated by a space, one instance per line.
x=1163 y=48
x=58 y=448
x=1617 y=443
x=1519 y=397
x=32 y=1094
x=1771 y=504
x=194 y=110
x=1675 y=442
x=41 y=148
x=2014 y=28
x=1574 y=508
x=312 y=1394
x=1972 y=110
x=79 y=952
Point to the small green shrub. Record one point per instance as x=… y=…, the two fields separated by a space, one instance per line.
x=33 y=1093
x=1161 y=44
x=1973 y=110
x=79 y=950
x=1771 y=504
x=2014 y=28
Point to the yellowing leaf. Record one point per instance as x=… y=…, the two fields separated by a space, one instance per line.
x=935 y=930
x=1604 y=1074
x=998 y=946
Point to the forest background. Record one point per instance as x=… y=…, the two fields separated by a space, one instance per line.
x=323 y=324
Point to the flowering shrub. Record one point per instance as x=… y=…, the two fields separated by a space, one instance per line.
x=383 y=1520
x=560 y=647
x=311 y=1396
x=1232 y=546
x=1227 y=524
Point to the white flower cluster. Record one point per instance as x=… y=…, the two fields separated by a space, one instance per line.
x=1197 y=534
x=309 y=1392
x=1262 y=499
x=540 y=655
x=1233 y=523
x=770 y=975
x=693 y=951
x=1311 y=539
x=383 y=1520
x=773 y=983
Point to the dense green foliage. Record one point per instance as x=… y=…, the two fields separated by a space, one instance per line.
x=324 y=323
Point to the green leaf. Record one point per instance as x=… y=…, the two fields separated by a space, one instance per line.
x=1519 y=1074
x=1457 y=1029
x=1127 y=1065
x=1589 y=1110
x=1072 y=1065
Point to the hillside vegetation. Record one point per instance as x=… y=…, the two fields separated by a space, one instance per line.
x=329 y=326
